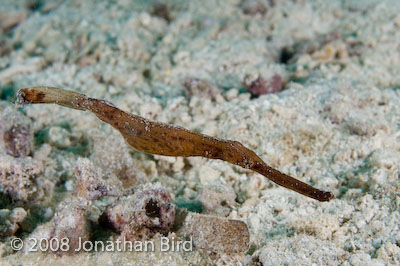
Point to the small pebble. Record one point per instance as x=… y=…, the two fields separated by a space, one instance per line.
x=9 y=221
x=16 y=135
x=141 y=215
x=261 y=86
x=18 y=176
x=70 y=221
x=217 y=199
x=231 y=94
x=91 y=184
x=220 y=235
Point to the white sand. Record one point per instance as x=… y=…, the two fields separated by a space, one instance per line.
x=338 y=130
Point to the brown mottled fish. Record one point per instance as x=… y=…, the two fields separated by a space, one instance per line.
x=169 y=140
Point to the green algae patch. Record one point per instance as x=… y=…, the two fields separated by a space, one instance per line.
x=7 y=92
x=190 y=205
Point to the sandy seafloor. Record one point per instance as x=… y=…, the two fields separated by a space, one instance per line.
x=335 y=125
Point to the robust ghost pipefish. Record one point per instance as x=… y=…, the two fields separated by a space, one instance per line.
x=169 y=140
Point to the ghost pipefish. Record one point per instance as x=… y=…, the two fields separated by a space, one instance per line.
x=169 y=140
